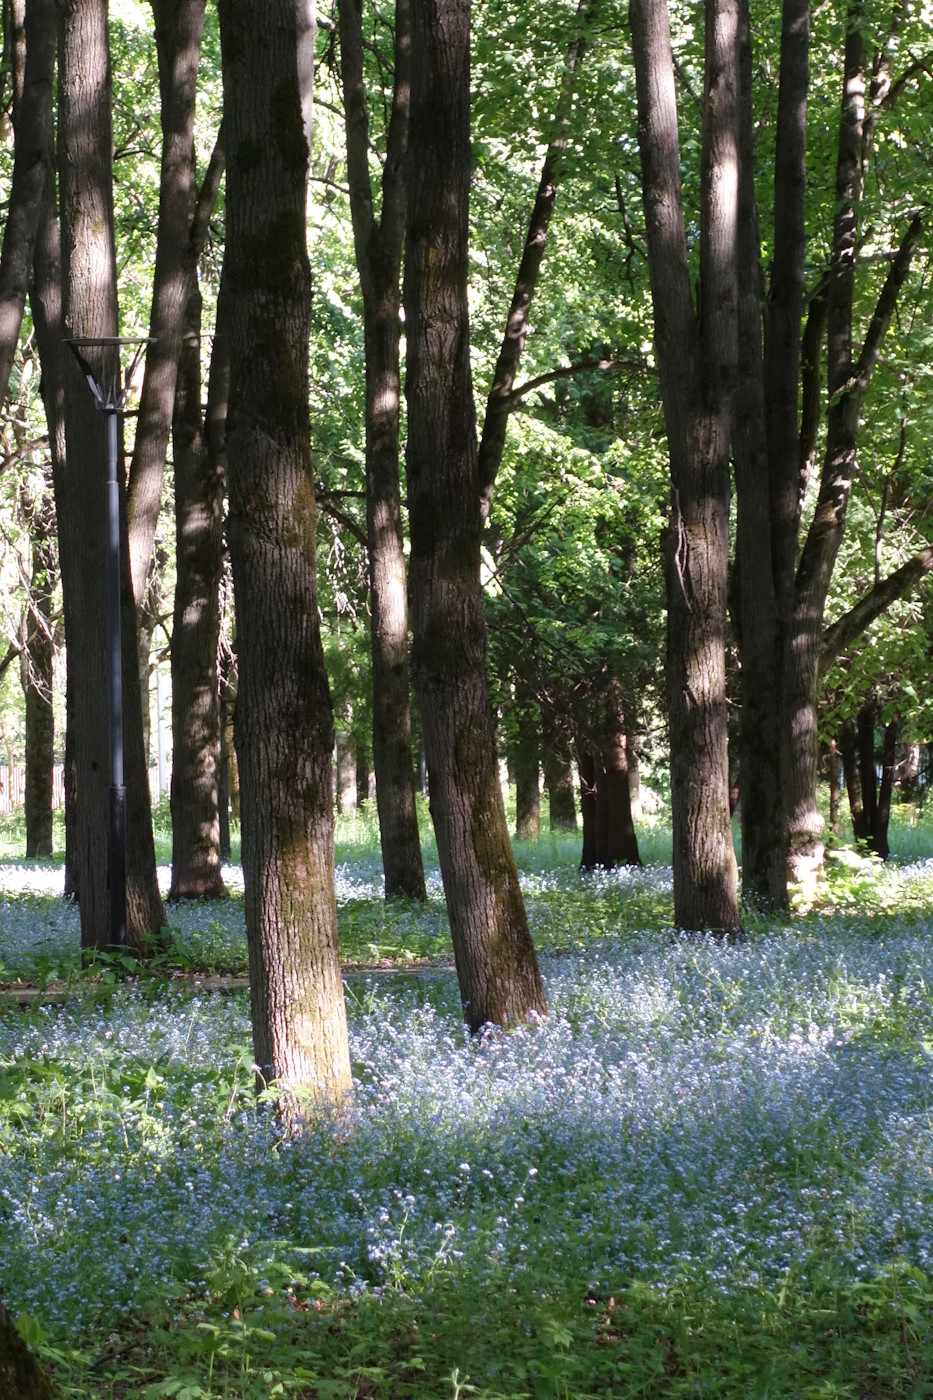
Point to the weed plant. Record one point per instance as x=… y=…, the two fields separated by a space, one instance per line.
x=708 y=1172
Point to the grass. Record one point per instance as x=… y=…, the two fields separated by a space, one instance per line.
x=708 y=1173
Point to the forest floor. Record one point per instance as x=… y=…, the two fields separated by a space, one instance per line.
x=708 y=1172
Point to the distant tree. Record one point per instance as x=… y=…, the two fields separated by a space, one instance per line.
x=496 y=963
x=284 y=724
x=378 y=239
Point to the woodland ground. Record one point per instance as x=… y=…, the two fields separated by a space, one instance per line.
x=709 y=1172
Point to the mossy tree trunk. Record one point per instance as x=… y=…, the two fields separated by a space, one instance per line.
x=284 y=721
x=496 y=962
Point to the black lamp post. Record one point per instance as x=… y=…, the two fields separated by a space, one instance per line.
x=110 y=399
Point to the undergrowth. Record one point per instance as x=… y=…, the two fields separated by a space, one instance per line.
x=708 y=1173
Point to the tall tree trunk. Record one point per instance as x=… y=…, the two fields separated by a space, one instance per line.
x=362 y=775
x=848 y=379
x=883 y=809
x=284 y=729
x=378 y=242
x=33 y=28
x=619 y=844
x=589 y=809
x=496 y=963
x=45 y=295
x=37 y=666
x=833 y=764
x=525 y=750
x=761 y=734
x=199 y=492
x=178 y=28
x=90 y=310
x=697 y=361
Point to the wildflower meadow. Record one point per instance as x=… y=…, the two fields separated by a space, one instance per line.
x=708 y=1172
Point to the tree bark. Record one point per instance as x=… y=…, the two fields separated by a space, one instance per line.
x=346 y=774
x=847 y=629
x=378 y=243
x=199 y=507
x=527 y=774
x=496 y=962
x=178 y=28
x=617 y=842
x=697 y=361
x=33 y=26
x=90 y=310
x=199 y=492
x=284 y=728
x=37 y=667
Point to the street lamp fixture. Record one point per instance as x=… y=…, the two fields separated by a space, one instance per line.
x=110 y=399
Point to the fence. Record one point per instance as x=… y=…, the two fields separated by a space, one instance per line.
x=13 y=786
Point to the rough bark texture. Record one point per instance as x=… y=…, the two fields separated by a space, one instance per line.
x=496 y=963
x=33 y=26
x=21 y=1376
x=761 y=733
x=199 y=488
x=178 y=28
x=38 y=659
x=378 y=241
x=617 y=843
x=697 y=362
x=848 y=378
x=90 y=309
x=284 y=724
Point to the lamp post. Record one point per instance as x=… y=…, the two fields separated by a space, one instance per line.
x=110 y=399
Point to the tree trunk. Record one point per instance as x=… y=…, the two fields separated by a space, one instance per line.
x=90 y=309
x=618 y=845
x=46 y=309
x=589 y=810
x=848 y=380
x=37 y=668
x=496 y=962
x=880 y=842
x=558 y=772
x=178 y=28
x=833 y=763
x=346 y=774
x=761 y=734
x=284 y=728
x=32 y=24
x=527 y=775
x=21 y=1376
x=697 y=361
x=199 y=490
x=362 y=775
x=199 y=493
x=378 y=244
